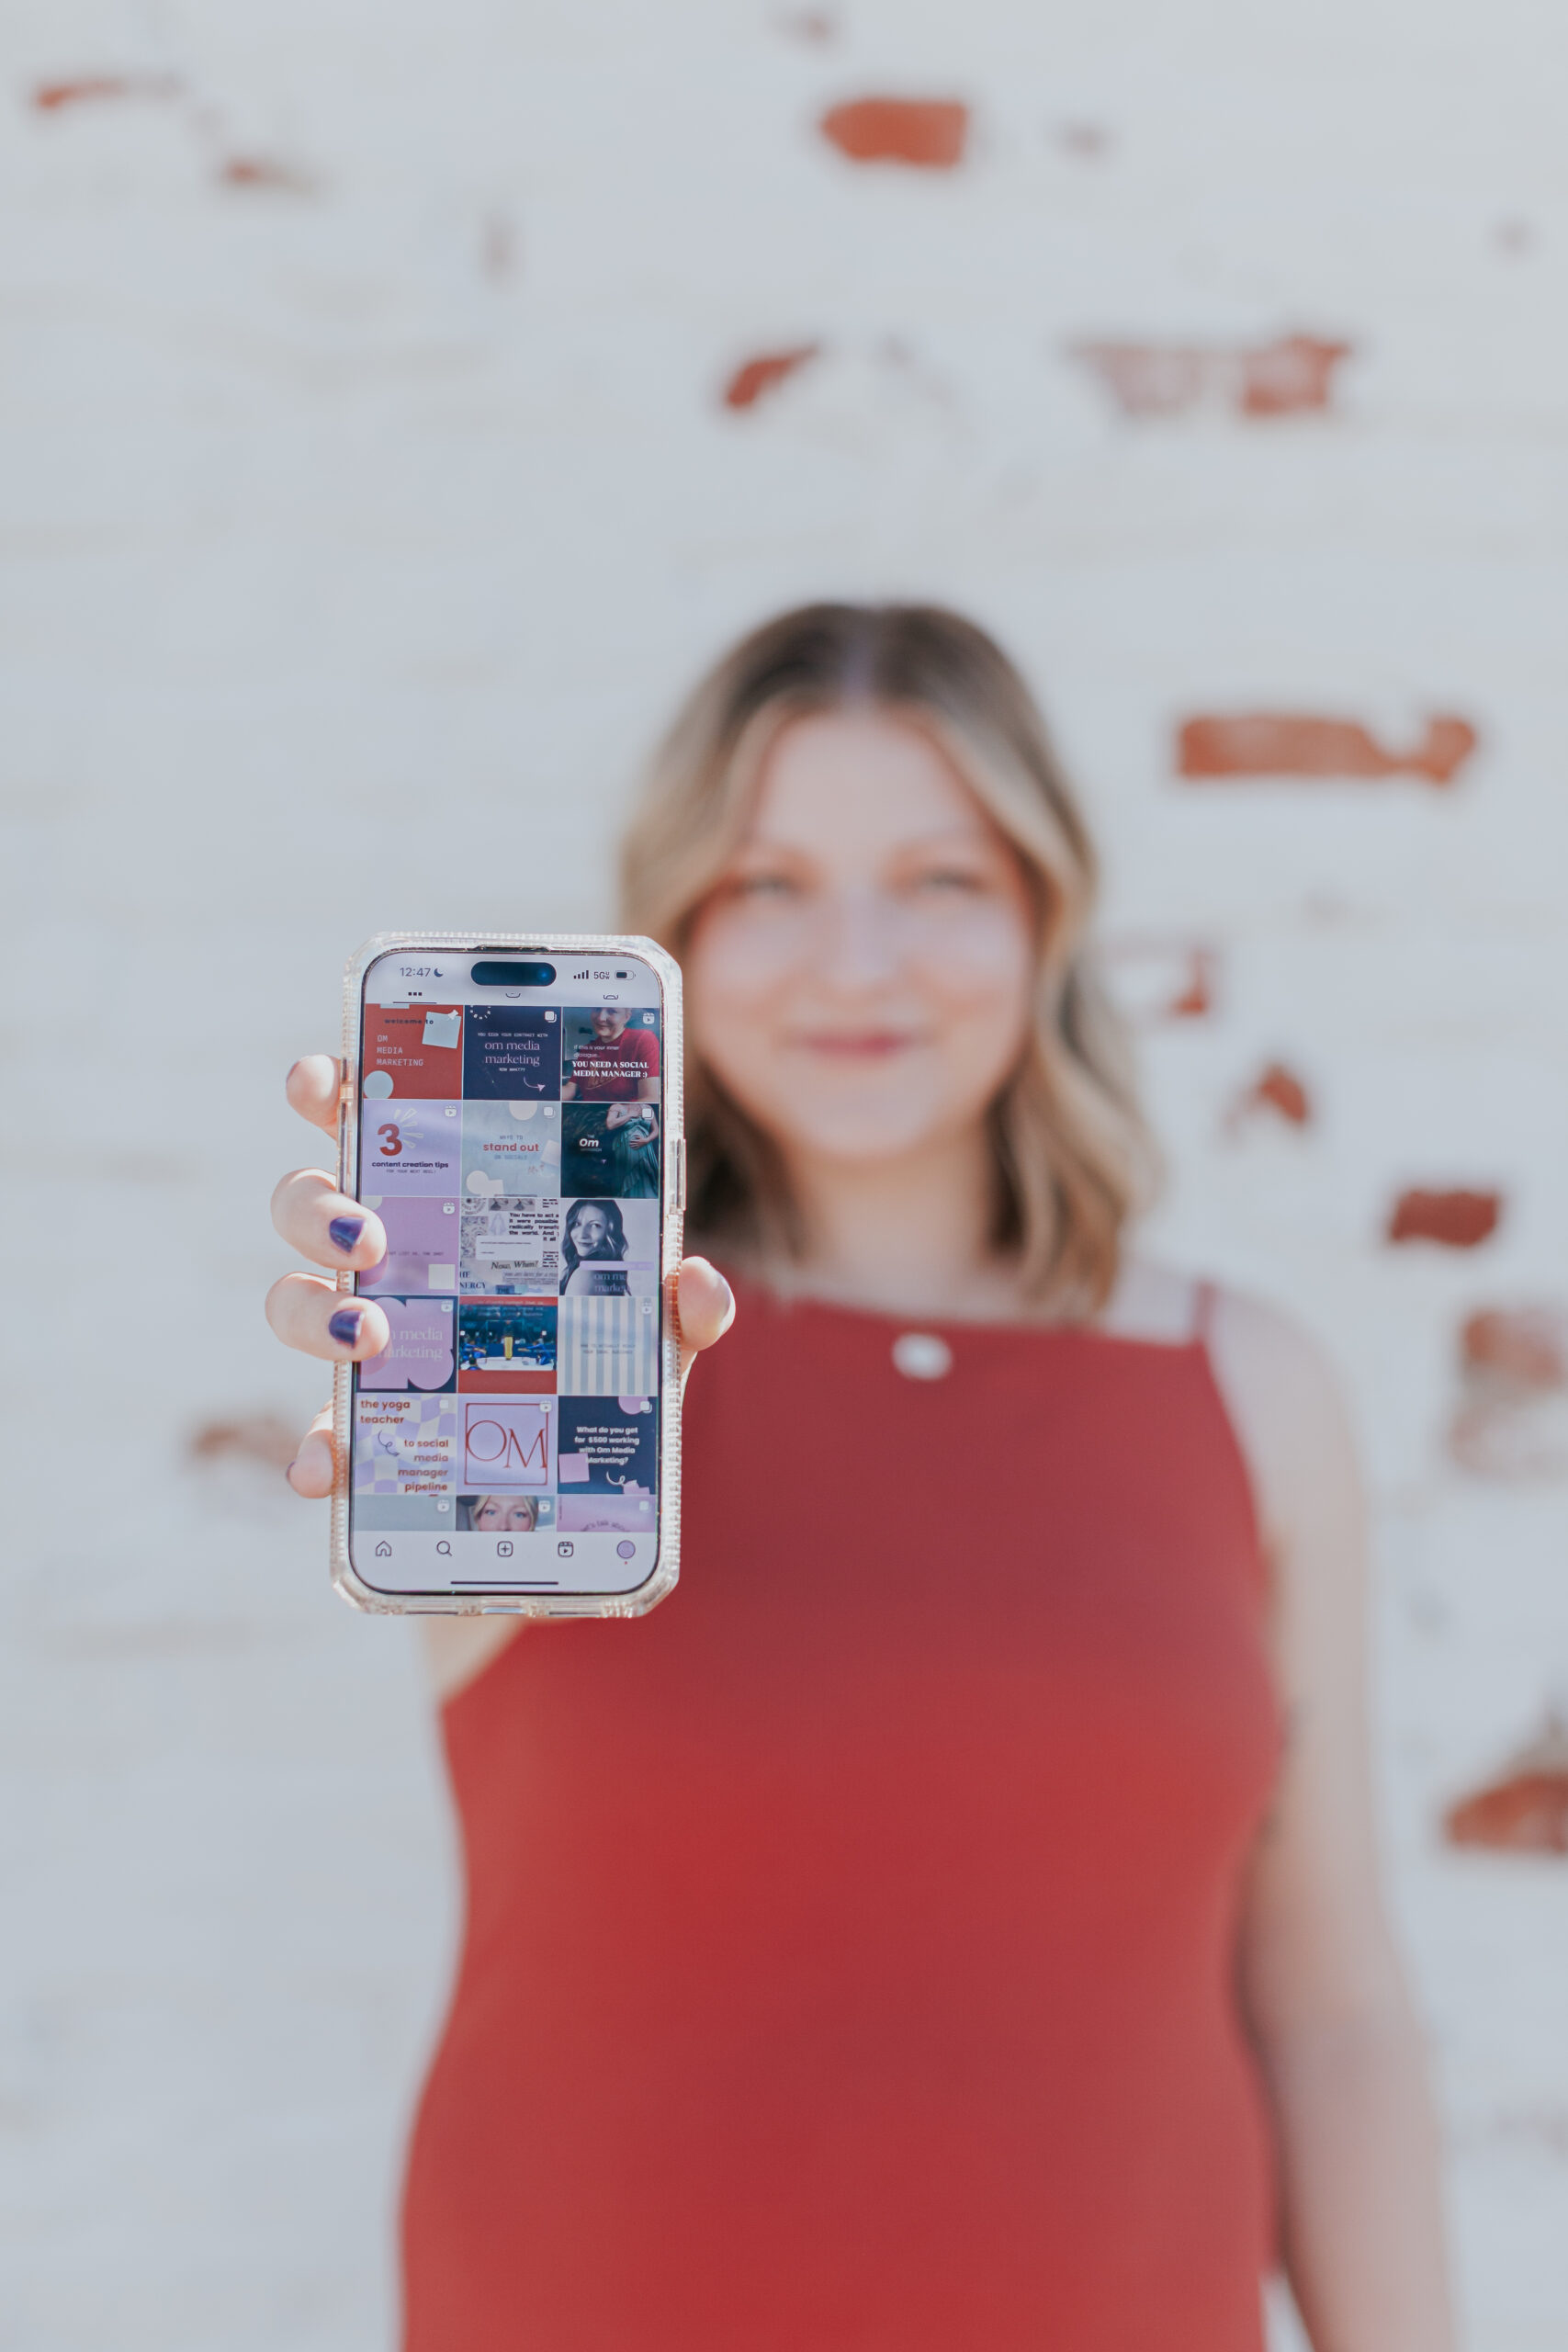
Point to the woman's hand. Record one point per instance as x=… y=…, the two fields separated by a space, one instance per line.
x=326 y=1227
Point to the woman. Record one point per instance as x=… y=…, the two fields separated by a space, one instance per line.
x=614 y=1063
x=594 y=1246
x=499 y=1514
x=612 y=1146
x=952 y=1920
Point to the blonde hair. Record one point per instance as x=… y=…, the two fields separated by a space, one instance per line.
x=1072 y=1155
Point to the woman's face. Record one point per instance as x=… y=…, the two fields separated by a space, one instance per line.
x=589 y=1228
x=607 y=1023
x=860 y=980
x=498 y=1515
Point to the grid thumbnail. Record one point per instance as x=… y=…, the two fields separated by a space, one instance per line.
x=510 y=1247
x=512 y=1051
x=413 y=1051
x=609 y=1055
x=609 y=1249
x=511 y=1151
x=409 y=1148
x=422 y=1351
x=507 y=1444
x=608 y=1347
x=423 y=1239
x=610 y=1148
x=506 y=1345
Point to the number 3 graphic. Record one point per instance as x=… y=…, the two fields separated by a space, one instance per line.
x=393 y=1143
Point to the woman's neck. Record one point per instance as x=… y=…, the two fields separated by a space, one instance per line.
x=909 y=1235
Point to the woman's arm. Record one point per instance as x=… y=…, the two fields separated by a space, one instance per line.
x=1321 y=1980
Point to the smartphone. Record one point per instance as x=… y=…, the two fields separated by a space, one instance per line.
x=511 y=1110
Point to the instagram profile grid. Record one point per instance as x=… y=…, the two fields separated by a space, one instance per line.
x=512 y=1153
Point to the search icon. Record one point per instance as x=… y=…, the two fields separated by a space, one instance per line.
x=444 y=1548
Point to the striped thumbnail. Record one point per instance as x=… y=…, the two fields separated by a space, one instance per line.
x=607 y=1347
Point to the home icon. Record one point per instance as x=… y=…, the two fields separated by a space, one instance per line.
x=383 y=1551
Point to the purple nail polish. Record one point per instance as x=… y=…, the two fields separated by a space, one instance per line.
x=346 y=1230
x=344 y=1325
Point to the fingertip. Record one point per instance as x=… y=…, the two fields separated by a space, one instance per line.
x=360 y=1238
x=714 y=1299
x=376 y=1334
x=311 y=1473
x=361 y=1327
x=312 y=1088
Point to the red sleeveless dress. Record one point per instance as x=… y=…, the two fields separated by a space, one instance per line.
x=850 y=1951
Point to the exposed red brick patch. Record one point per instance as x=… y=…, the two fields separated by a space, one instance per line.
x=1215 y=749
x=1276 y=1090
x=254 y=1437
x=1527 y=1814
x=1526 y=1346
x=1288 y=377
x=265 y=172
x=1164 y=979
x=765 y=373
x=1196 y=997
x=1281 y=379
x=928 y=133
x=1511 y=1421
x=1458 y=1220
x=1525 y=1810
x=88 y=89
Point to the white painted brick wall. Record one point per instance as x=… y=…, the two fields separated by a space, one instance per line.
x=390 y=481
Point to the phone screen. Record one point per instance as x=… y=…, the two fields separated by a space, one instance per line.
x=508 y=1438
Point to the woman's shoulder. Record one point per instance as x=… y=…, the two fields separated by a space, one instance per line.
x=1276 y=1378
x=1268 y=1356
x=1152 y=1301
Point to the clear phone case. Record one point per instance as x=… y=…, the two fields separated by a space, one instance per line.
x=672 y=1170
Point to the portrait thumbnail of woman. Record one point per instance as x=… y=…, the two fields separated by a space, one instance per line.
x=498 y=1514
x=614 y=1063
x=594 y=1251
